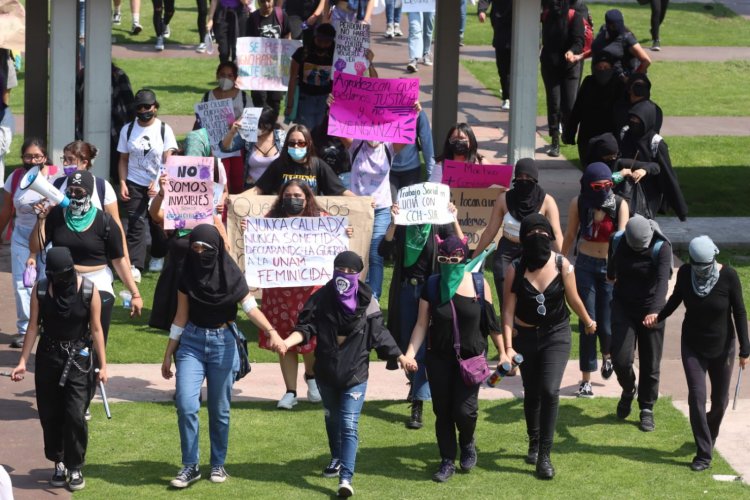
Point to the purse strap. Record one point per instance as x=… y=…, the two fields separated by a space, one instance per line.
x=456 y=338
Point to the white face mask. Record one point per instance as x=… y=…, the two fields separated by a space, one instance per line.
x=226 y=84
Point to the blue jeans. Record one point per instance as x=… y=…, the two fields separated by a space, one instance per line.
x=463 y=18
x=392 y=13
x=19 y=252
x=342 y=409
x=211 y=354
x=375 y=271
x=596 y=295
x=311 y=110
x=409 y=307
x=421 y=25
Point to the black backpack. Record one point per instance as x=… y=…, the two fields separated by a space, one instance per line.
x=100 y=186
x=86 y=284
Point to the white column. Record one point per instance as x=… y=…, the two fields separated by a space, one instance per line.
x=97 y=95
x=62 y=79
x=523 y=79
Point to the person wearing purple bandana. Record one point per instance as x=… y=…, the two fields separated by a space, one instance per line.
x=347 y=322
x=593 y=216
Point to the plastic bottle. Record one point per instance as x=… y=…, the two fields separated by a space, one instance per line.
x=617 y=178
x=503 y=370
x=84 y=352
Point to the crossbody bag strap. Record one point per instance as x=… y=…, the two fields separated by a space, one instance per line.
x=456 y=337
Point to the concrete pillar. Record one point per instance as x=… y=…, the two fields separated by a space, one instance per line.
x=523 y=79
x=445 y=70
x=36 y=75
x=97 y=93
x=63 y=46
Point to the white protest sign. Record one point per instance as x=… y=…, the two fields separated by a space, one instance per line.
x=292 y=251
x=425 y=203
x=352 y=43
x=188 y=194
x=264 y=62
x=216 y=117
x=249 y=127
x=418 y=6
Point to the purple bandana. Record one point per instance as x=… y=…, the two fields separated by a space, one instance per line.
x=346 y=287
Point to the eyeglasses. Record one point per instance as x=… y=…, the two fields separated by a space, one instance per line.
x=540 y=309
x=601 y=185
x=30 y=157
x=297 y=144
x=452 y=259
x=67 y=160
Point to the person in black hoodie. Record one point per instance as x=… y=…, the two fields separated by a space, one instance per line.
x=562 y=40
x=501 y=18
x=616 y=40
x=637 y=89
x=347 y=322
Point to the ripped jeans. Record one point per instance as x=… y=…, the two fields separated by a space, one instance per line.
x=342 y=409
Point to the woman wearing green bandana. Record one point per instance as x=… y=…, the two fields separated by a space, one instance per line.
x=414 y=253
x=93 y=238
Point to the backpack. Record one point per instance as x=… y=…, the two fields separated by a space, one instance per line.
x=588 y=25
x=130 y=130
x=278 y=14
x=617 y=238
x=359 y=147
x=86 y=284
x=100 y=187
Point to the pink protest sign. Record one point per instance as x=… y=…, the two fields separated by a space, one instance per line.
x=188 y=193
x=458 y=174
x=374 y=109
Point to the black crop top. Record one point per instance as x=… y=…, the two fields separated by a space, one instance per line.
x=74 y=327
x=528 y=307
x=205 y=316
x=91 y=247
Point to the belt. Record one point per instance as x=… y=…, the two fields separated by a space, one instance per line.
x=414 y=281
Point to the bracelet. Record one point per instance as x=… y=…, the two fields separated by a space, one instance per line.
x=135 y=296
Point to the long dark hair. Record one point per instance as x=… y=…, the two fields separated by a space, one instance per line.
x=312 y=209
x=473 y=156
x=308 y=139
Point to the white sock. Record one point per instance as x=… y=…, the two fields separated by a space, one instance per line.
x=136 y=18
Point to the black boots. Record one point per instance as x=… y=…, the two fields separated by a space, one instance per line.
x=554 y=149
x=544 y=469
x=415 y=422
x=533 y=450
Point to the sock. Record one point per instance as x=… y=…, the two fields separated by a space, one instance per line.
x=136 y=18
x=294 y=393
x=309 y=377
x=117 y=10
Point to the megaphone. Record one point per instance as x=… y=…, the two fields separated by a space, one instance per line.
x=36 y=182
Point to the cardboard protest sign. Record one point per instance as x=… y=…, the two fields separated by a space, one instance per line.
x=12 y=26
x=216 y=117
x=418 y=6
x=374 y=109
x=425 y=203
x=474 y=210
x=292 y=251
x=264 y=62
x=249 y=127
x=473 y=175
x=189 y=192
x=352 y=43
x=358 y=209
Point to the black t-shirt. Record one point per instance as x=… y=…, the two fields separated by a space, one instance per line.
x=618 y=50
x=205 y=316
x=267 y=27
x=641 y=284
x=91 y=247
x=319 y=177
x=57 y=327
x=301 y=8
x=315 y=70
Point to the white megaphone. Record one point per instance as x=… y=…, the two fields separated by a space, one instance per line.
x=36 y=182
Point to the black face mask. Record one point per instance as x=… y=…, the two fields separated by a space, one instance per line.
x=29 y=166
x=603 y=76
x=145 y=116
x=639 y=90
x=63 y=279
x=293 y=206
x=636 y=129
x=523 y=187
x=460 y=148
x=536 y=249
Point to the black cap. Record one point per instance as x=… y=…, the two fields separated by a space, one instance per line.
x=145 y=97
x=349 y=259
x=83 y=179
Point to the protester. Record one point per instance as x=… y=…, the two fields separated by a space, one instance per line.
x=347 y=322
x=455 y=315
x=303 y=16
x=343 y=10
x=460 y=145
x=144 y=145
x=332 y=150
x=68 y=306
x=620 y=45
x=637 y=90
x=227 y=18
x=7 y=126
x=135 y=10
x=204 y=347
x=712 y=294
x=536 y=324
x=202 y=6
x=658 y=13
x=406 y=167
x=501 y=18
x=593 y=216
x=163 y=12
x=526 y=197
x=641 y=266
x=414 y=253
x=393 y=19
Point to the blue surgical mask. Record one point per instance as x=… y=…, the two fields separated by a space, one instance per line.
x=297 y=154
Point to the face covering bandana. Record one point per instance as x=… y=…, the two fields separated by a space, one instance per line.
x=416 y=239
x=603 y=76
x=226 y=84
x=523 y=187
x=79 y=215
x=64 y=287
x=145 y=116
x=297 y=154
x=536 y=250
x=346 y=288
x=704 y=277
x=69 y=169
x=451 y=276
x=293 y=206
x=29 y=166
x=460 y=148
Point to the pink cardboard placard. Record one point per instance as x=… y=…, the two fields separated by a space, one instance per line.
x=473 y=175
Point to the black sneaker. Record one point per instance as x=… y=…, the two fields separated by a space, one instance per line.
x=218 y=474
x=76 y=481
x=468 y=456
x=187 y=476
x=415 y=421
x=446 y=471
x=60 y=476
x=333 y=468
x=626 y=401
x=656 y=46
x=647 y=421
x=698 y=465
x=607 y=368
x=554 y=149
x=585 y=390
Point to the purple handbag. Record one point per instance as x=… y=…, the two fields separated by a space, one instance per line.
x=29 y=276
x=474 y=370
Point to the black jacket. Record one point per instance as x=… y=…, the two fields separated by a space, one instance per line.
x=501 y=18
x=593 y=110
x=345 y=365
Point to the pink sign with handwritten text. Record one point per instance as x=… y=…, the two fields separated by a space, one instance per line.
x=458 y=174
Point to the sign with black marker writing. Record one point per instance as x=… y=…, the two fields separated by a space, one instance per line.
x=352 y=43
x=188 y=192
x=425 y=203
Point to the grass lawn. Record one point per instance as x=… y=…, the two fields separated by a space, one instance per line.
x=266 y=460
x=690 y=24
x=184 y=25
x=676 y=86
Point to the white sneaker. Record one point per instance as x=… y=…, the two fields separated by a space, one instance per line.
x=287 y=402
x=167 y=32
x=412 y=66
x=397 y=30
x=116 y=19
x=345 y=489
x=506 y=105
x=137 y=28
x=156 y=265
x=389 y=30
x=427 y=59
x=313 y=393
x=136 y=274
x=159 y=43
x=201 y=48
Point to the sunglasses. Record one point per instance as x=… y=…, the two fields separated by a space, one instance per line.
x=601 y=185
x=541 y=310
x=452 y=259
x=458 y=141
x=297 y=144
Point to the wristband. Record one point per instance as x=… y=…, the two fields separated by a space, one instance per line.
x=175 y=332
x=249 y=304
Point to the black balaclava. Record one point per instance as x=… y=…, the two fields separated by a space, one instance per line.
x=602 y=146
x=61 y=274
x=535 y=248
x=527 y=196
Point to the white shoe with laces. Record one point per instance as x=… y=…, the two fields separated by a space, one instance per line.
x=201 y=48
x=156 y=265
x=313 y=393
x=506 y=105
x=345 y=489
x=287 y=402
x=136 y=274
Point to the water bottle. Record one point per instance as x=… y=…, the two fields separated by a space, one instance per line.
x=503 y=370
x=617 y=178
x=84 y=352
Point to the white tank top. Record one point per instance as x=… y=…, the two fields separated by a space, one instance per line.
x=511 y=226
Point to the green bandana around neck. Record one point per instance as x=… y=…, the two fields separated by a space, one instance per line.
x=79 y=223
x=451 y=276
x=415 y=241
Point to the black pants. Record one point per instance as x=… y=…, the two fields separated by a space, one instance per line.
x=403 y=178
x=229 y=24
x=455 y=405
x=202 y=15
x=270 y=98
x=706 y=424
x=658 y=13
x=502 y=60
x=504 y=255
x=163 y=12
x=108 y=303
x=561 y=87
x=61 y=409
x=627 y=333
x=139 y=220
x=545 y=353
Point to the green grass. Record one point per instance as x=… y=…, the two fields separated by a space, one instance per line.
x=688 y=24
x=183 y=25
x=271 y=457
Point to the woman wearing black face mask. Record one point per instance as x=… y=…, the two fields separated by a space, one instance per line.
x=536 y=323
x=621 y=45
x=460 y=145
x=637 y=90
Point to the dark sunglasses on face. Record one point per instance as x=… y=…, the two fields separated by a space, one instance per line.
x=76 y=193
x=458 y=141
x=601 y=185
x=297 y=144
